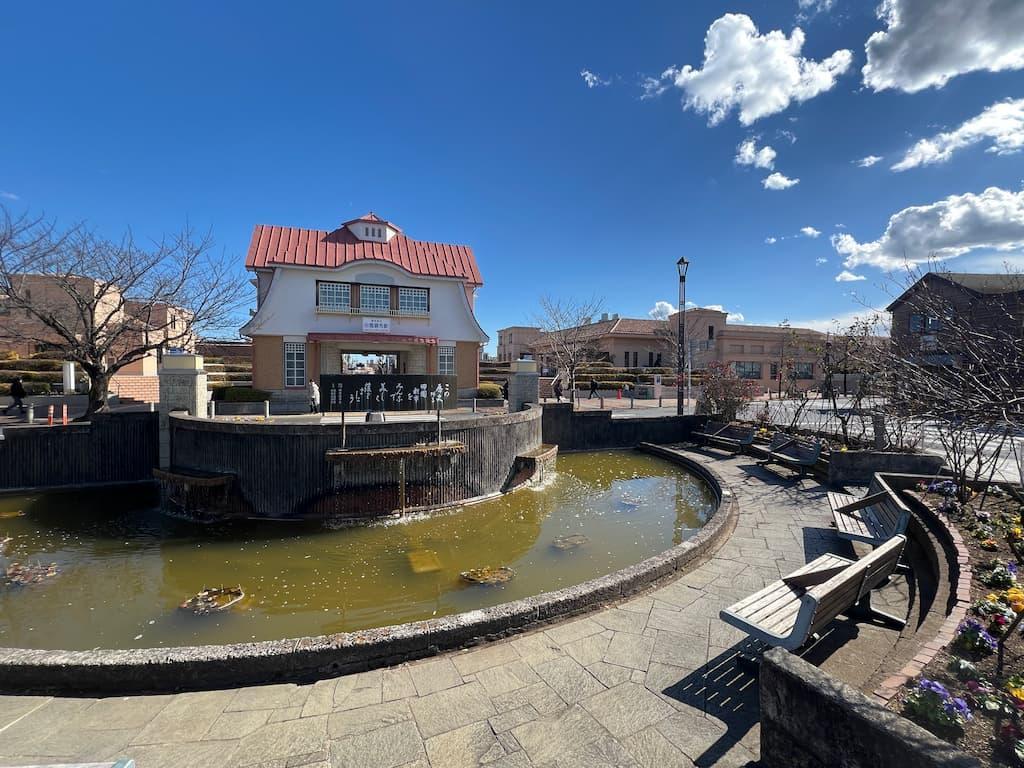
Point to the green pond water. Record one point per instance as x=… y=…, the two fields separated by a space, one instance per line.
x=123 y=567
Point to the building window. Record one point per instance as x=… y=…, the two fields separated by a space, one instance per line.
x=775 y=370
x=803 y=371
x=446 y=361
x=334 y=296
x=294 y=364
x=657 y=360
x=374 y=298
x=711 y=333
x=747 y=370
x=924 y=323
x=650 y=359
x=415 y=300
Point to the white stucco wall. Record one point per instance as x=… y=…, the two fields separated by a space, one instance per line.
x=289 y=307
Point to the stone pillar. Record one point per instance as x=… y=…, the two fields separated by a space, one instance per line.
x=523 y=385
x=182 y=388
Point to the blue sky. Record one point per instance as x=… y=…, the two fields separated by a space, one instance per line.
x=471 y=122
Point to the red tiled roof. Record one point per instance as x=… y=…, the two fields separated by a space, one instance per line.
x=273 y=245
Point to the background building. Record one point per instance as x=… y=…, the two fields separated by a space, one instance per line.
x=362 y=293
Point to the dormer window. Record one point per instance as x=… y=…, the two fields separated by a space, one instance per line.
x=372 y=227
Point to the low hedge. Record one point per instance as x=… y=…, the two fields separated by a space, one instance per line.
x=30 y=365
x=239 y=394
x=27 y=376
x=50 y=354
x=31 y=387
x=220 y=376
x=488 y=390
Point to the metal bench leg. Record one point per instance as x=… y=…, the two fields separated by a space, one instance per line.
x=864 y=610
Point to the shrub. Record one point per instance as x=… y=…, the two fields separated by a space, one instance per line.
x=51 y=377
x=724 y=392
x=8 y=354
x=240 y=395
x=488 y=390
x=931 y=704
x=30 y=365
x=31 y=387
x=49 y=354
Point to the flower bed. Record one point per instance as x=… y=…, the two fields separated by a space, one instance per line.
x=972 y=692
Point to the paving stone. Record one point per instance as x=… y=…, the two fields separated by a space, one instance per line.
x=269 y=697
x=693 y=733
x=622 y=621
x=606 y=752
x=539 y=695
x=562 y=634
x=320 y=698
x=390 y=747
x=186 y=718
x=282 y=740
x=609 y=675
x=235 y=725
x=536 y=648
x=471 y=662
x=682 y=622
x=638 y=605
x=629 y=651
x=626 y=709
x=398 y=684
x=210 y=753
x=569 y=679
x=464 y=747
x=508 y=742
x=287 y=713
x=549 y=738
x=507 y=677
x=13 y=707
x=679 y=650
x=365 y=719
x=678 y=595
x=121 y=712
x=435 y=675
x=359 y=690
x=506 y=721
x=588 y=650
x=651 y=749
x=65 y=743
x=20 y=737
x=512 y=760
x=450 y=709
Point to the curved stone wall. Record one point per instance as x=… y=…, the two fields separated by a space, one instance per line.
x=280 y=470
x=308 y=658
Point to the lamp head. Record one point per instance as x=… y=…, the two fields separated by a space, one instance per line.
x=682 y=265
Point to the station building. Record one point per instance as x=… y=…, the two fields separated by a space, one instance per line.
x=362 y=291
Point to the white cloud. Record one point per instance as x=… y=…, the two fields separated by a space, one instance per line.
x=748 y=153
x=848 y=277
x=809 y=232
x=927 y=42
x=8 y=195
x=1003 y=123
x=959 y=224
x=787 y=135
x=771 y=240
x=820 y=260
x=867 y=162
x=778 y=181
x=592 y=80
x=735 y=317
x=844 y=320
x=661 y=310
x=758 y=75
x=809 y=8
x=655 y=86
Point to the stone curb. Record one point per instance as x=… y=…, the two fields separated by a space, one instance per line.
x=310 y=658
x=960 y=592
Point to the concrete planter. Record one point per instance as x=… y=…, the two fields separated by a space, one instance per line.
x=857 y=467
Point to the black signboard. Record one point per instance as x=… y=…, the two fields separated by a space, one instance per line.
x=387 y=392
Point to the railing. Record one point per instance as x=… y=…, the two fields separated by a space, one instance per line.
x=323 y=309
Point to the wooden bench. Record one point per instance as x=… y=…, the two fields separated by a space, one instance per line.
x=873 y=519
x=790 y=612
x=731 y=436
x=792 y=452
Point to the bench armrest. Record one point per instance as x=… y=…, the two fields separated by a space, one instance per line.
x=812 y=578
x=867 y=501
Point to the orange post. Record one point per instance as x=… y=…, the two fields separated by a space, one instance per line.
x=64 y=414
x=619 y=395
x=49 y=415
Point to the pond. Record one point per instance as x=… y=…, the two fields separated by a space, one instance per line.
x=123 y=568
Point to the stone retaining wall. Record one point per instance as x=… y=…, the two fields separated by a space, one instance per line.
x=308 y=658
x=857 y=467
x=593 y=430
x=812 y=720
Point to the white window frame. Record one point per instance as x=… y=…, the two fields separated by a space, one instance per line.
x=343 y=293
x=446 y=360
x=366 y=291
x=414 y=300
x=294 y=364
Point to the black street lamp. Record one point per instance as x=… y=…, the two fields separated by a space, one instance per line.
x=682 y=265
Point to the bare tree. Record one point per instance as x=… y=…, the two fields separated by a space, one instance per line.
x=566 y=333
x=106 y=304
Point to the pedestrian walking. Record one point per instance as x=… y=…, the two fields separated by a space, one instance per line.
x=593 y=388
x=18 y=395
x=314 y=397
x=504 y=390
x=556 y=387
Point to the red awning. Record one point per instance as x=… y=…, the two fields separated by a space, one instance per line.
x=371 y=337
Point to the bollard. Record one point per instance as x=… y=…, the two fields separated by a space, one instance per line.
x=152 y=407
x=343 y=437
x=213 y=408
x=438 y=426
x=49 y=415
x=618 y=394
x=31 y=414
x=64 y=414
x=600 y=400
x=474 y=405
x=266 y=409
x=659 y=402
x=631 y=400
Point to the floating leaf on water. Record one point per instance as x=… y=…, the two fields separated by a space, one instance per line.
x=213 y=600
x=570 y=541
x=488 y=575
x=23 y=574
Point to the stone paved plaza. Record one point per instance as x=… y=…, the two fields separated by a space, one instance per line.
x=651 y=682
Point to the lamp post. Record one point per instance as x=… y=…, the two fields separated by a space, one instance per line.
x=682 y=265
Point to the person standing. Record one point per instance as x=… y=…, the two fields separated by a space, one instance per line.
x=593 y=387
x=18 y=395
x=314 y=397
x=556 y=387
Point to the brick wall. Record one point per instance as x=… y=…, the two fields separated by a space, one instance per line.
x=144 y=389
